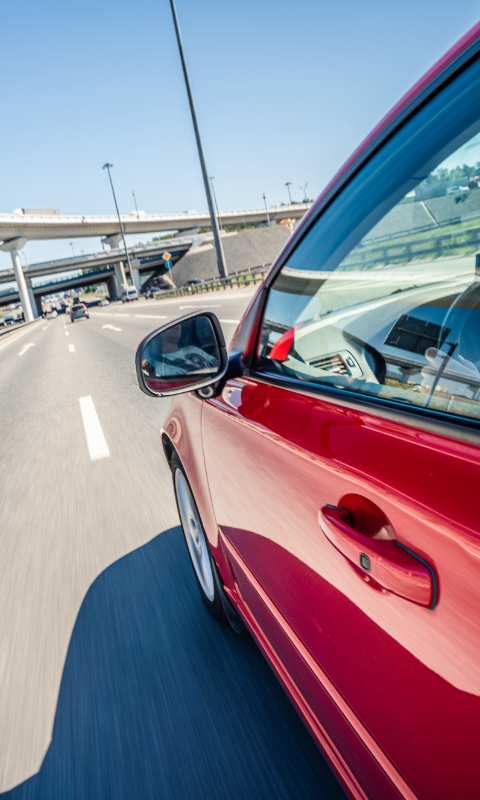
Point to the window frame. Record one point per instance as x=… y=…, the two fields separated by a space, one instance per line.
x=447 y=424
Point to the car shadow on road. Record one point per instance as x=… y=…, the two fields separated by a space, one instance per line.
x=158 y=700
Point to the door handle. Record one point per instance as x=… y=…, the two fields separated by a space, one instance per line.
x=392 y=565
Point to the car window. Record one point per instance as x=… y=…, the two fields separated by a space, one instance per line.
x=382 y=295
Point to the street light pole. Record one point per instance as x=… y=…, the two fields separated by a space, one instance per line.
x=108 y=168
x=266 y=209
x=216 y=204
x=73 y=251
x=222 y=266
x=304 y=189
x=288 y=184
x=135 y=201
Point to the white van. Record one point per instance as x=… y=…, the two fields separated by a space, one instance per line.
x=129 y=294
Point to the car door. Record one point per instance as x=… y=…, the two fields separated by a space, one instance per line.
x=343 y=467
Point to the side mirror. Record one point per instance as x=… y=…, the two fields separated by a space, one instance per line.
x=183 y=356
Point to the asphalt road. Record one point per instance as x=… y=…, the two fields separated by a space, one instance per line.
x=115 y=682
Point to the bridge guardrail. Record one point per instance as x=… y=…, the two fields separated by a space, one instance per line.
x=240 y=279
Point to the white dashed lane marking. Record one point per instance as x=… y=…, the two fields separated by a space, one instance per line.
x=25 y=348
x=96 y=441
x=71 y=348
x=112 y=327
x=150 y=316
x=228 y=321
x=207 y=305
x=67 y=333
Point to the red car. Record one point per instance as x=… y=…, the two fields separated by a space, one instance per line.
x=326 y=467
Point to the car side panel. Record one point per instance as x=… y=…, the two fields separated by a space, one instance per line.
x=412 y=675
x=333 y=728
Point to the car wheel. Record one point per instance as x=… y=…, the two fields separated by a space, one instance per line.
x=197 y=543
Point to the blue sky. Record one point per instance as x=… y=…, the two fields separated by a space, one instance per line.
x=284 y=92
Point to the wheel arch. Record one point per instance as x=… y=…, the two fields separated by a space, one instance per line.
x=195 y=472
x=169 y=449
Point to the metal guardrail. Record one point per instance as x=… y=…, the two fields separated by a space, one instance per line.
x=6 y=329
x=402 y=252
x=445 y=223
x=238 y=279
x=11 y=329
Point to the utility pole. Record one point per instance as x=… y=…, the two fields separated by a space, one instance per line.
x=266 y=209
x=108 y=168
x=135 y=201
x=216 y=204
x=222 y=266
x=288 y=184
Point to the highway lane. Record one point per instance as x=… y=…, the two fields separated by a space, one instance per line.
x=156 y=699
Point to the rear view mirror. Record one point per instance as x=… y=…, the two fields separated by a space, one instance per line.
x=183 y=356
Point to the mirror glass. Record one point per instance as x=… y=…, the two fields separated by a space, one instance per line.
x=182 y=355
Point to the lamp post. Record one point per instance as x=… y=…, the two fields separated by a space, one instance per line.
x=108 y=167
x=288 y=184
x=73 y=251
x=216 y=204
x=304 y=190
x=135 y=201
x=222 y=266
x=266 y=209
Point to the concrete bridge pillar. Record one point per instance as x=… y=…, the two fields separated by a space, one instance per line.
x=38 y=303
x=13 y=246
x=136 y=280
x=33 y=303
x=120 y=276
x=113 y=288
x=113 y=241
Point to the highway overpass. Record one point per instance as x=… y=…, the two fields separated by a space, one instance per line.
x=55 y=285
x=24 y=224
x=106 y=266
x=55 y=225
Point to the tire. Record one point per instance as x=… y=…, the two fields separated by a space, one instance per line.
x=201 y=559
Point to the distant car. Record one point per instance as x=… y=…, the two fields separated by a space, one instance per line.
x=51 y=314
x=8 y=320
x=190 y=284
x=104 y=302
x=130 y=294
x=79 y=311
x=457 y=189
